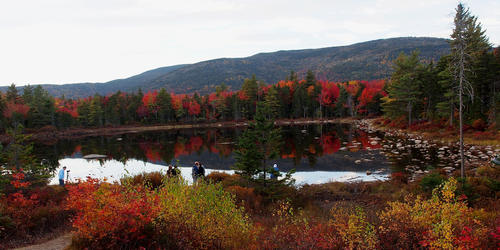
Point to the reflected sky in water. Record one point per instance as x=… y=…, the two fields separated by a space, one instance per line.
x=113 y=170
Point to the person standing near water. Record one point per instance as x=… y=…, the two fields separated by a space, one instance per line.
x=170 y=171
x=201 y=170
x=274 y=175
x=61 y=176
x=195 y=171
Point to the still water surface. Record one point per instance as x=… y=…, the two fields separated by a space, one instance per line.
x=318 y=153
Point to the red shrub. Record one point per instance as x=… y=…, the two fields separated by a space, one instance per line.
x=246 y=197
x=399 y=177
x=479 y=124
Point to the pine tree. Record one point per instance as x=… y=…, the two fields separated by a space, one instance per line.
x=28 y=94
x=164 y=101
x=445 y=107
x=12 y=94
x=273 y=102
x=249 y=89
x=259 y=144
x=404 y=87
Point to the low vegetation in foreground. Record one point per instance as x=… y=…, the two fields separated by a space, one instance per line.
x=226 y=211
x=229 y=212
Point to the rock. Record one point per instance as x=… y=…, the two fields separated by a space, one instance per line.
x=418 y=141
x=374 y=143
x=357 y=161
x=419 y=172
x=368 y=172
x=94 y=156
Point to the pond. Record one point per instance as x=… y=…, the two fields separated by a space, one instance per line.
x=318 y=153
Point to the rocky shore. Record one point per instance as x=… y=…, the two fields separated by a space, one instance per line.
x=402 y=145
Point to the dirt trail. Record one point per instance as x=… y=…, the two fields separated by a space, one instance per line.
x=56 y=244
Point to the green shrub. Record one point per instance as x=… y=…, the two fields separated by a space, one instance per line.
x=431 y=181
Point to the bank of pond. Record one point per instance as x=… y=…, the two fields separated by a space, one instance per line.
x=318 y=153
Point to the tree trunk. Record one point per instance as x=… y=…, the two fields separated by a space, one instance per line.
x=451 y=114
x=409 y=114
x=462 y=170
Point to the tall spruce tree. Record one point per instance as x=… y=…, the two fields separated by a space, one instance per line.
x=467 y=44
x=404 y=87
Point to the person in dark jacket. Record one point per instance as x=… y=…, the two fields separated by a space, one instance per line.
x=201 y=171
x=195 y=171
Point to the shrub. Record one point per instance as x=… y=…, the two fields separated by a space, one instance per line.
x=202 y=216
x=444 y=221
x=174 y=215
x=293 y=230
x=217 y=177
x=431 y=181
x=225 y=179
x=29 y=211
x=355 y=230
x=246 y=197
x=151 y=180
x=399 y=178
x=479 y=124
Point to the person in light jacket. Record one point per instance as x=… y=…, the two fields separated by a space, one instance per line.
x=61 y=176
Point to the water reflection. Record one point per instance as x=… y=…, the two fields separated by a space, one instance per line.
x=319 y=153
x=113 y=170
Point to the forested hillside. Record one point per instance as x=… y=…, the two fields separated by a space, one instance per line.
x=363 y=61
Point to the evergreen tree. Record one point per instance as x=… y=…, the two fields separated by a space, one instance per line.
x=164 y=101
x=404 y=87
x=468 y=42
x=17 y=157
x=42 y=109
x=12 y=94
x=250 y=89
x=273 y=102
x=259 y=144
x=28 y=94
x=445 y=107
x=95 y=117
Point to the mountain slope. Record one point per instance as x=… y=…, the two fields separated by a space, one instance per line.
x=361 y=61
x=126 y=85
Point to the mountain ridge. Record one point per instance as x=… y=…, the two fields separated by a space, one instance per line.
x=360 y=61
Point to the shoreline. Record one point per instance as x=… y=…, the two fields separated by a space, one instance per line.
x=77 y=133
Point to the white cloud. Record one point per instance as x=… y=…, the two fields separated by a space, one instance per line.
x=61 y=41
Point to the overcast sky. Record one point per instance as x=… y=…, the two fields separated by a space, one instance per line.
x=69 y=41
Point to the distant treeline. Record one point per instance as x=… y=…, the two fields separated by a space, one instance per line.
x=291 y=98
